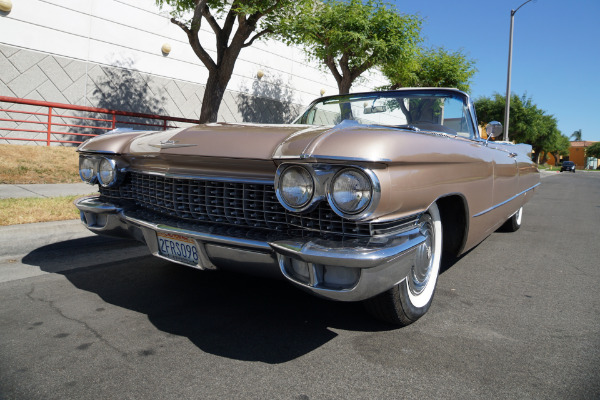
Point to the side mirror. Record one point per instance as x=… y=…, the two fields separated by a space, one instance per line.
x=493 y=129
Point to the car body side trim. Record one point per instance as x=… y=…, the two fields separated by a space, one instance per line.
x=505 y=201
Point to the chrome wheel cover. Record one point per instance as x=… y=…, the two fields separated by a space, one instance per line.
x=421 y=271
x=519 y=216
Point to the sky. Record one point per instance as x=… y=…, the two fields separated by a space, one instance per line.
x=556 y=51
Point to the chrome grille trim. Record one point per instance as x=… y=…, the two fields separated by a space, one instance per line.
x=252 y=205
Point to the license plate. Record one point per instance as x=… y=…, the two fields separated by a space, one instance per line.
x=177 y=247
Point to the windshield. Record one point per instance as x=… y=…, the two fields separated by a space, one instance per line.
x=428 y=110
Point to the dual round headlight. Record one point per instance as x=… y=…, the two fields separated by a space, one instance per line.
x=296 y=187
x=98 y=170
x=87 y=169
x=349 y=191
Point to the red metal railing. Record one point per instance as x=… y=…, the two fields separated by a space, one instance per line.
x=104 y=120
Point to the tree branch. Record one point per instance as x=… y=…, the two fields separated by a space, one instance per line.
x=181 y=25
x=405 y=112
x=196 y=46
x=211 y=20
x=344 y=64
x=257 y=36
x=228 y=24
x=197 y=18
x=253 y=19
x=329 y=61
x=358 y=71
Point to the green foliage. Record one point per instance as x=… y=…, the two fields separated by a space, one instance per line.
x=236 y=25
x=352 y=36
x=524 y=115
x=528 y=123
x=265 y=13
x=593 y=150
x=433 y=67
x=577 y=135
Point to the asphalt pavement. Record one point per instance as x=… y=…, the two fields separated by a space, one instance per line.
x=517 y=317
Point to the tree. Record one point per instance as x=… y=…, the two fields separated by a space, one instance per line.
x=593 y=150
x=550 y=141
x=561 y=148
x=350 y=37
x=576 y=135
x=236 y=25
x=529 y=124
x=523 y=115
x=433 y=67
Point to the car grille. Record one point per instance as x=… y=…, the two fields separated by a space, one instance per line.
x=236 y=203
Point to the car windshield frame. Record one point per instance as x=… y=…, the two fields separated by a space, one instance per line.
x=387 y=102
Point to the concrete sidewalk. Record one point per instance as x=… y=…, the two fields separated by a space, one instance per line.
x=46 y=190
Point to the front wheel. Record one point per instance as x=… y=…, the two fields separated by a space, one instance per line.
x=410 y=299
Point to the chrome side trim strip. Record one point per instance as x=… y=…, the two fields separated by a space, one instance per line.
x=506 y=201
x=91 y=152
x=319 y=158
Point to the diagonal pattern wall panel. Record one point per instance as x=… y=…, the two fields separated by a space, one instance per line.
x=34 y=75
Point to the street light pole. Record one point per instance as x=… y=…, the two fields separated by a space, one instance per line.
x=510 y=45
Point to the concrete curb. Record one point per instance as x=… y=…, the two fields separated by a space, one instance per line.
x=8 y=191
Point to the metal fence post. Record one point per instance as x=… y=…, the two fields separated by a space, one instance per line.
x=49 y=126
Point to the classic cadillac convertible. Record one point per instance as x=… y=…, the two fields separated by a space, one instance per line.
x=357 y=200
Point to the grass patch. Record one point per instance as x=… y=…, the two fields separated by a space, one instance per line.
x=38 y=164
x=34 y=209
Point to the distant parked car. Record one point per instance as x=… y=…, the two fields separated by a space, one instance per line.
x=568 y=166
x=357 y=200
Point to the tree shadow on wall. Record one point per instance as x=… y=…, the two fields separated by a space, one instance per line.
x=120 y=87
x=268 y=101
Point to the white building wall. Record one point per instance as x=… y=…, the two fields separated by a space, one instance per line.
x=130 y=33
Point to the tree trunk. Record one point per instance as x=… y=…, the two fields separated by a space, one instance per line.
x=344 y=85
x=213 y=95
x=215 y=89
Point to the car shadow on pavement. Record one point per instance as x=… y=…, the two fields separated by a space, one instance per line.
x=230 y=315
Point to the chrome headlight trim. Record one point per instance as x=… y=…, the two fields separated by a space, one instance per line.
x=281 y=172
x=368 y=208
x=323 y=175
x=91 y=176
x=115 y=172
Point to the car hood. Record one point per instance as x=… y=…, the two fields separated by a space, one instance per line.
x=221 y=140
x=348 y=139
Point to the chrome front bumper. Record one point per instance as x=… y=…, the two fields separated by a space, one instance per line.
x=345 y=270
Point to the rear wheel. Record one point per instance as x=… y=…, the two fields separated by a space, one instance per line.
x=513 y=223
x=410 y=299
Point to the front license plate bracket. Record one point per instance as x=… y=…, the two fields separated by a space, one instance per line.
x=178 y=248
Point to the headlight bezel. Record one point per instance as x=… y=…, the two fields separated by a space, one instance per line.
x=96 y=160
x=331 y=192
x=323 y=175
x=115 y=172
x=93 y=178
x=280 y=175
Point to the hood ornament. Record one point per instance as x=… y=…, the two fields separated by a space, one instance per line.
x=170 y=144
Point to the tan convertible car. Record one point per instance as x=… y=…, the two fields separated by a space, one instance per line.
x=357 y=200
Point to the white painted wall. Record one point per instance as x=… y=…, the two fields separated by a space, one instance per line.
x=131 y=32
